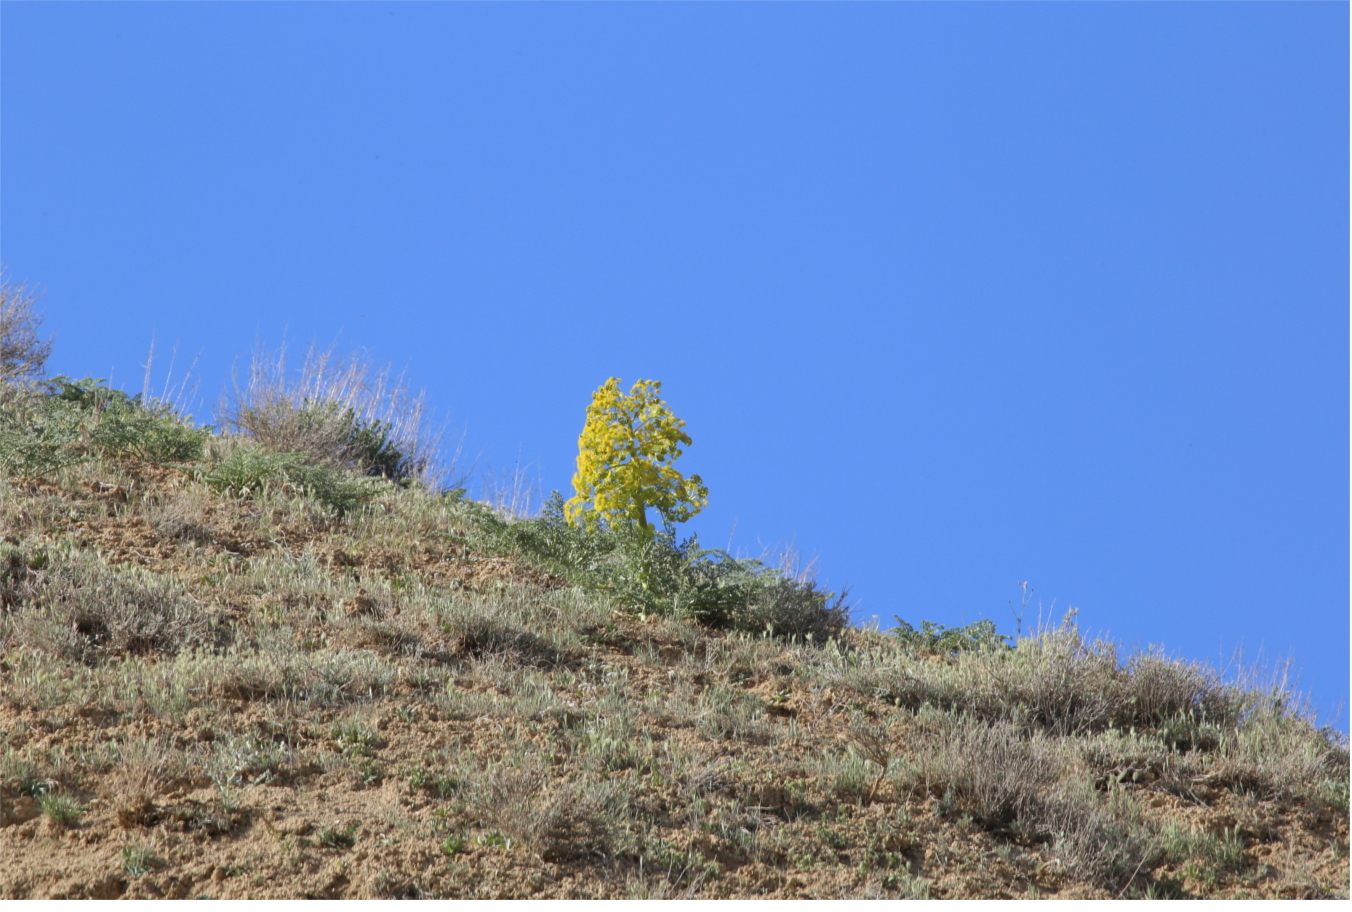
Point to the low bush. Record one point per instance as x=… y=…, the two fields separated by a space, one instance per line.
x=653 y=573
x=67 y=422
x=1023 y=786
x=336 y=412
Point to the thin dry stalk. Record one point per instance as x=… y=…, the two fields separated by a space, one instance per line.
x=176 y=396
x=875 y=744
x=513 y=494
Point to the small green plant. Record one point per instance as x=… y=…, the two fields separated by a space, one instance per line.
x=453 y=845
x=237 y=759
x=494 y=840
x=369 y=771
x=62 y=810
x=832 y=838
x=138 y=860
x=357 y=737
x=623 y=461
x=24 y=775
x=339 y=837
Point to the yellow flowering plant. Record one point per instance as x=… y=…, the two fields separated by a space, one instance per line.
x=624 y=461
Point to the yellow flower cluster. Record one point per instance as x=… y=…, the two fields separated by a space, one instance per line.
x=623 y=461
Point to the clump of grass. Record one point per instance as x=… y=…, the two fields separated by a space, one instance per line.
x=23 y=775
x=62 y=810
x=558 y=820
x=139 y=859
x=249 y=471
x=273 y=670
x=1214 y=852
x=143 y=766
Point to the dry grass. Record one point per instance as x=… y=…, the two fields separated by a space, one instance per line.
x=84 y=610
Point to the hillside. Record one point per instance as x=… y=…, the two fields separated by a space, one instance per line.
x=233 y=669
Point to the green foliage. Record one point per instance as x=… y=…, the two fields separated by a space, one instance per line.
x=128 y=425
x=332 y=487
x=336 y=838
x=650 y=572
x=623 y=461
x=37 y=439
x=932 y=637
x=73 y=421
x=250 y=471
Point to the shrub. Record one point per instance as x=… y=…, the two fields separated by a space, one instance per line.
x=653 y=573
x=988 y=772
x=1013 y=784
x=37 y=439
x=22 y=353
x=558 y=821
x=335 y=411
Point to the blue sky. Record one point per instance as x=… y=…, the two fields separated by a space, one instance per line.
x=950 y=296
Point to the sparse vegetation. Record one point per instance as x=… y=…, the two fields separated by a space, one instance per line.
x=218 y=674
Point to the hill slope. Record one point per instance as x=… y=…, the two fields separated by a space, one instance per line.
x=233 y=671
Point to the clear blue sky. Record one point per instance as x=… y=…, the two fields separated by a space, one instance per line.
x=952 y=296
